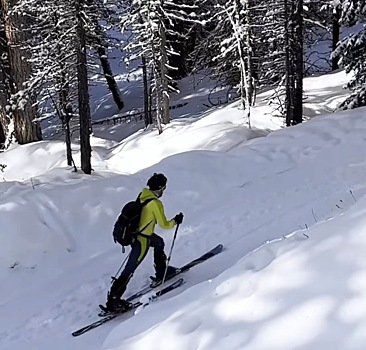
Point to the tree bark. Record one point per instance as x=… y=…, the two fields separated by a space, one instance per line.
x=25 y=130
x=83 y=92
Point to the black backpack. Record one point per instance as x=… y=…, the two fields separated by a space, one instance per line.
x=126 y=227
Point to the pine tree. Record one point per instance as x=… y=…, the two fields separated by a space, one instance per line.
x=151 y=22
x=62 y=34
x=51 y=45
x=237 y=14
x=351 y=52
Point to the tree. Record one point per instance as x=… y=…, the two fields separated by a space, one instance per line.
x=336 y=29
x=225 y=46
x=15 y=72
x=83 y=93
x=294 y=60
x=51 y=44
x=237 y=13
x=351 y=52
x=60 y=36
x=150 y=22
x=181 y=34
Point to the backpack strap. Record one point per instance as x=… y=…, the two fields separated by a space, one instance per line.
x=139 y=233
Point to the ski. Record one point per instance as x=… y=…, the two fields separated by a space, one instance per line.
x=135 y=305
x=209 y=254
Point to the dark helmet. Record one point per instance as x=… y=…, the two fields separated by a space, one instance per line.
x=157 y=182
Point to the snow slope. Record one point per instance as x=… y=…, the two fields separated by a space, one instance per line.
x=234 y=187
x=292 y=293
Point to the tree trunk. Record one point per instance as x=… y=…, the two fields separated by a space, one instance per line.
x=70 y=159
x=294 y=60
x=65 y=116
x=65 y=112
x=147 y=115
x=249 y=53
x=151 y=97
x=164 y=75
x=64 y=107
x=25 y=130
x=98 y=36
x=4 y=77
x=299 y=61
x=158 y=100
x=107 y=70
x=83 y=93
x=2 y=136
x=288 y=65
x=336 y=33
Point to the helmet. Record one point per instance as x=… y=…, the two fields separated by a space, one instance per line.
x=157 y=182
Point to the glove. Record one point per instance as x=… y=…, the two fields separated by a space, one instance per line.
x=178 y=218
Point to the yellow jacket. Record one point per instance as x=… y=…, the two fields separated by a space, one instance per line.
x=152 y=214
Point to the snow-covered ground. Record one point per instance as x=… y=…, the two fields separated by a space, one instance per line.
x=288 y=205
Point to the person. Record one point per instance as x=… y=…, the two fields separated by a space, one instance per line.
x=152 y=213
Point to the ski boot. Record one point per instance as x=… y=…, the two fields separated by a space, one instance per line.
x=116 y=305
x=158 y=280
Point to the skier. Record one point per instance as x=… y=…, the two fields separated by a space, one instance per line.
x=152 y=213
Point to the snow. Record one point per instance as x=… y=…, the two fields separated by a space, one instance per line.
x=287 y=204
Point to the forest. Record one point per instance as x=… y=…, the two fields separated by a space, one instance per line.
x=51 y=48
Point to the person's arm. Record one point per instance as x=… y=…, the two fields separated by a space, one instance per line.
x=160 y=217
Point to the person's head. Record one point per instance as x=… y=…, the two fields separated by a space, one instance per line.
x=157 y=184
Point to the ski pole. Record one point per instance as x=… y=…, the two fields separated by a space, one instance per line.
x=124 y=261
x=170 y=254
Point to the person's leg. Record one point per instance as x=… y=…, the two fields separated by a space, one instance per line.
x=159 y=255
x=160 y=258
x=119 y=286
